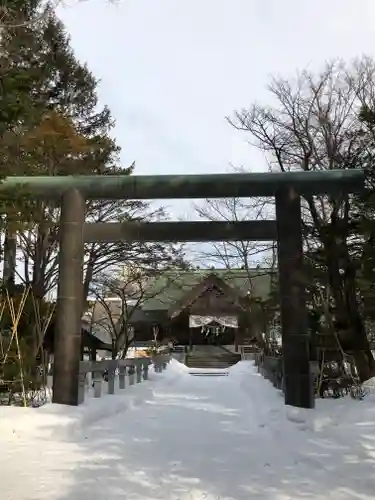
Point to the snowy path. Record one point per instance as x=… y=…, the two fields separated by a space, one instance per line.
x=197 y=438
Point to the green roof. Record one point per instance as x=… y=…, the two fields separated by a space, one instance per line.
x=170 y=287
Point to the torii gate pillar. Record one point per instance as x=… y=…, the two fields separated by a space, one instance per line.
x=68 y=327
x=298 y=385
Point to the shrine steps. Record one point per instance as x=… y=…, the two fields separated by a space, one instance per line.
x=209 y=374
x=211 y=359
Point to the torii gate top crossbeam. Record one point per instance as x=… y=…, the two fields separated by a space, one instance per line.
x=143 y=187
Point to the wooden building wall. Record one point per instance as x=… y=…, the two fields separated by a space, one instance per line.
x=178 y=329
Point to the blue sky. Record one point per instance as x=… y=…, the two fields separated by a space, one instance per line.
x=171 y=70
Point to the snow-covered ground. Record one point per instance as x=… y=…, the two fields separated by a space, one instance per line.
x=179 y=437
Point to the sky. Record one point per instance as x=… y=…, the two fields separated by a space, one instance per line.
x=172 y=70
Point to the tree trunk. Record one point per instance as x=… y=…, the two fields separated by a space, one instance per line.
x=87 y=281
x=10 y=250
x=350 y=326
x=114 y=349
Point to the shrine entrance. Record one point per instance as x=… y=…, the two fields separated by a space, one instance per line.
x=215 y=330
x=214 y=308
x=287 y=189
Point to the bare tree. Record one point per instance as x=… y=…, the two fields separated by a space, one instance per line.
x=39 y=245
x=236 y=254
x=118 y=295
x=315 y=125
x=255 y=259
x=116 y=298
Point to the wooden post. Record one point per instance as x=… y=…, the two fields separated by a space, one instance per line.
x=296 y=357
x=67 y=351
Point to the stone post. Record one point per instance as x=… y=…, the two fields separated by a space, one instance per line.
x=131 y=371
x=111 y=367
x=121 y=377
x=157 y=366
x=97 y=381
x=81 y=387
x=145 y=370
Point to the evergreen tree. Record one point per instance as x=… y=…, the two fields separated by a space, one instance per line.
x=51 y=124
x=38 y=57
x=55 y=126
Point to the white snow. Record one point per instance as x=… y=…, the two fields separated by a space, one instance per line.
x=179 y=437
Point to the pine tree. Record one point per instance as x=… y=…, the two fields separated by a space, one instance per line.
x=45 y=75
x=50 y=124
x=60 y=129
x=53 y=96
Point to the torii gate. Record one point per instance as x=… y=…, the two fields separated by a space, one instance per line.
x=287 y=188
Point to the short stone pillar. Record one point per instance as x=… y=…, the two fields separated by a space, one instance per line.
x=131 y=372
x=111 y=377
x=145 y=370
x=81 y=387
x=157 y=365
x=97 y=382
x=121 y=377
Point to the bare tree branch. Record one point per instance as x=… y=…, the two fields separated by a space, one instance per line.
x=119 y=294
x=315 y=125
x=235 y=254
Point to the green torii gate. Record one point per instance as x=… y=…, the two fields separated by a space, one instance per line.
x=287 y=188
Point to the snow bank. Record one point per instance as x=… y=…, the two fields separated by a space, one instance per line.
x=242 y=368
x=342 y=414
x=177 y=368
x=52 y=419
x=190 y=438
x=330 y=414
